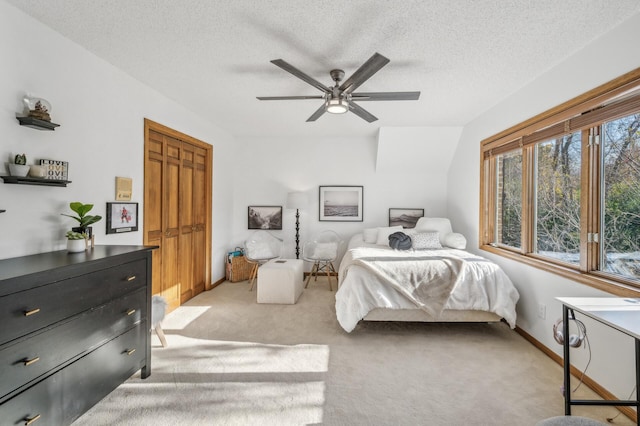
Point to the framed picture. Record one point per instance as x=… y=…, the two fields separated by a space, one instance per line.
x=405 y=217
x=122 y=217
x=341 y=203
x=56 y=170
x=265 y=217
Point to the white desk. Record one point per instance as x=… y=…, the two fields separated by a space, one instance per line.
x=622 y=314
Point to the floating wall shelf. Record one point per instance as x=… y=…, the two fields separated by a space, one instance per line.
x=34 y=123
x=34 y=181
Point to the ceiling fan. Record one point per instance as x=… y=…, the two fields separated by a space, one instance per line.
x=340 y=98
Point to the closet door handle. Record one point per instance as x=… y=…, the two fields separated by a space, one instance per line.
x=167 y=234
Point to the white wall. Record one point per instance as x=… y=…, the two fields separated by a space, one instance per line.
x=101 y=114
x=271 y=167
x=608 y=57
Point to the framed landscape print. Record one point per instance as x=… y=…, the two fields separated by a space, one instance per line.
x=407 y=218
x=122 y=217
x=341 y=203
x=265 y=217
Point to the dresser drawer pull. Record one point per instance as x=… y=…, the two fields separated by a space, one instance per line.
x=130 y=351
x=32 y=420
x=31 y=312
x=31 y=361
x=131 y=312
x=131 y=278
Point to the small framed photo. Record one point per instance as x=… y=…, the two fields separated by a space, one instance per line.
x=265 y=217
x=341 y=203
x=55 y=169
x=405 y=217
x=122 y=217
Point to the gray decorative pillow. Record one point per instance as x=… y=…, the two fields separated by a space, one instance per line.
x=426 y=240
x=399 y=241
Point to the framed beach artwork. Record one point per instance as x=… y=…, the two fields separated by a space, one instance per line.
x=122 y=217
x=341 y=203
x=265 y=217
x=406 y=218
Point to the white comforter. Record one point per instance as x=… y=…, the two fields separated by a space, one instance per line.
x=474 y=283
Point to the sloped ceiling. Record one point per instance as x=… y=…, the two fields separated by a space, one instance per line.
x=213 y=56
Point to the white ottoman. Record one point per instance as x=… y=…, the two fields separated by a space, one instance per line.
x=280 y=281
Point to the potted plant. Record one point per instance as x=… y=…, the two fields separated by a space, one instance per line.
x=76 y=242
x=84 y=219
x=19 y=166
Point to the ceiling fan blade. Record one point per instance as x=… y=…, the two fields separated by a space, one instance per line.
x=363 y=73
x=317 y=114
x=361 y=112
x=385 y=96
x=286 y=98
x=302 y=76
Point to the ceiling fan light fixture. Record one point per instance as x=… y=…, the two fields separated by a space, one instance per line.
x=337 y=106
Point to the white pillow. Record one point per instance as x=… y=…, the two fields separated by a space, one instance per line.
x=426 y=240
x=383 y=234
x=325 y=251
x=455 y=241
x=440 y=224
x=370 y=235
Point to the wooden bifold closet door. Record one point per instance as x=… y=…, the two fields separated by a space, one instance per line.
x=177 y=212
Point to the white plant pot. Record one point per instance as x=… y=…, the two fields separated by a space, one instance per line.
x=19 y=170
x=76 y=246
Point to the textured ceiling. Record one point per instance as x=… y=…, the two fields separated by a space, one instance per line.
x=213 y=56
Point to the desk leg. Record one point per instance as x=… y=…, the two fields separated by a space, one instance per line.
x=638 y=381
x=567 y=363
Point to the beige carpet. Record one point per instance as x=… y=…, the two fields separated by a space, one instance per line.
x=231 y=361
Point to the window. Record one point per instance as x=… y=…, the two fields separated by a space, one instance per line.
x=621 y=196
x=509 y=201
x=557 y=198
x=561 y=191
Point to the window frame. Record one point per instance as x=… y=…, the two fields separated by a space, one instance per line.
x=584 y=113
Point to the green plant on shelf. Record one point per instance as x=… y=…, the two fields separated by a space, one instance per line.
x=20 y=159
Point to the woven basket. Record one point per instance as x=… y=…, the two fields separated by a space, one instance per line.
x=238 y=269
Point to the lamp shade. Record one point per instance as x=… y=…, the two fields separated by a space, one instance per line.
x=297 y=200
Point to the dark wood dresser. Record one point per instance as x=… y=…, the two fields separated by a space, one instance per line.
x=73 y=326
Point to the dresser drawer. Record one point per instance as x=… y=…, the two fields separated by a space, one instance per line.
x=27 y=311
x=95 y=376
x=63 y=397
x=26 y=359
x=41 y=405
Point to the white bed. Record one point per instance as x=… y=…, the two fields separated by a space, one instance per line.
x=378 y=283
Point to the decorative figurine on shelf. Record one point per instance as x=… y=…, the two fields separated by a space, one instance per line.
x=38 y=108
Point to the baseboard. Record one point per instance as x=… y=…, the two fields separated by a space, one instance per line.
x=588 y=381
x=217 y=283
